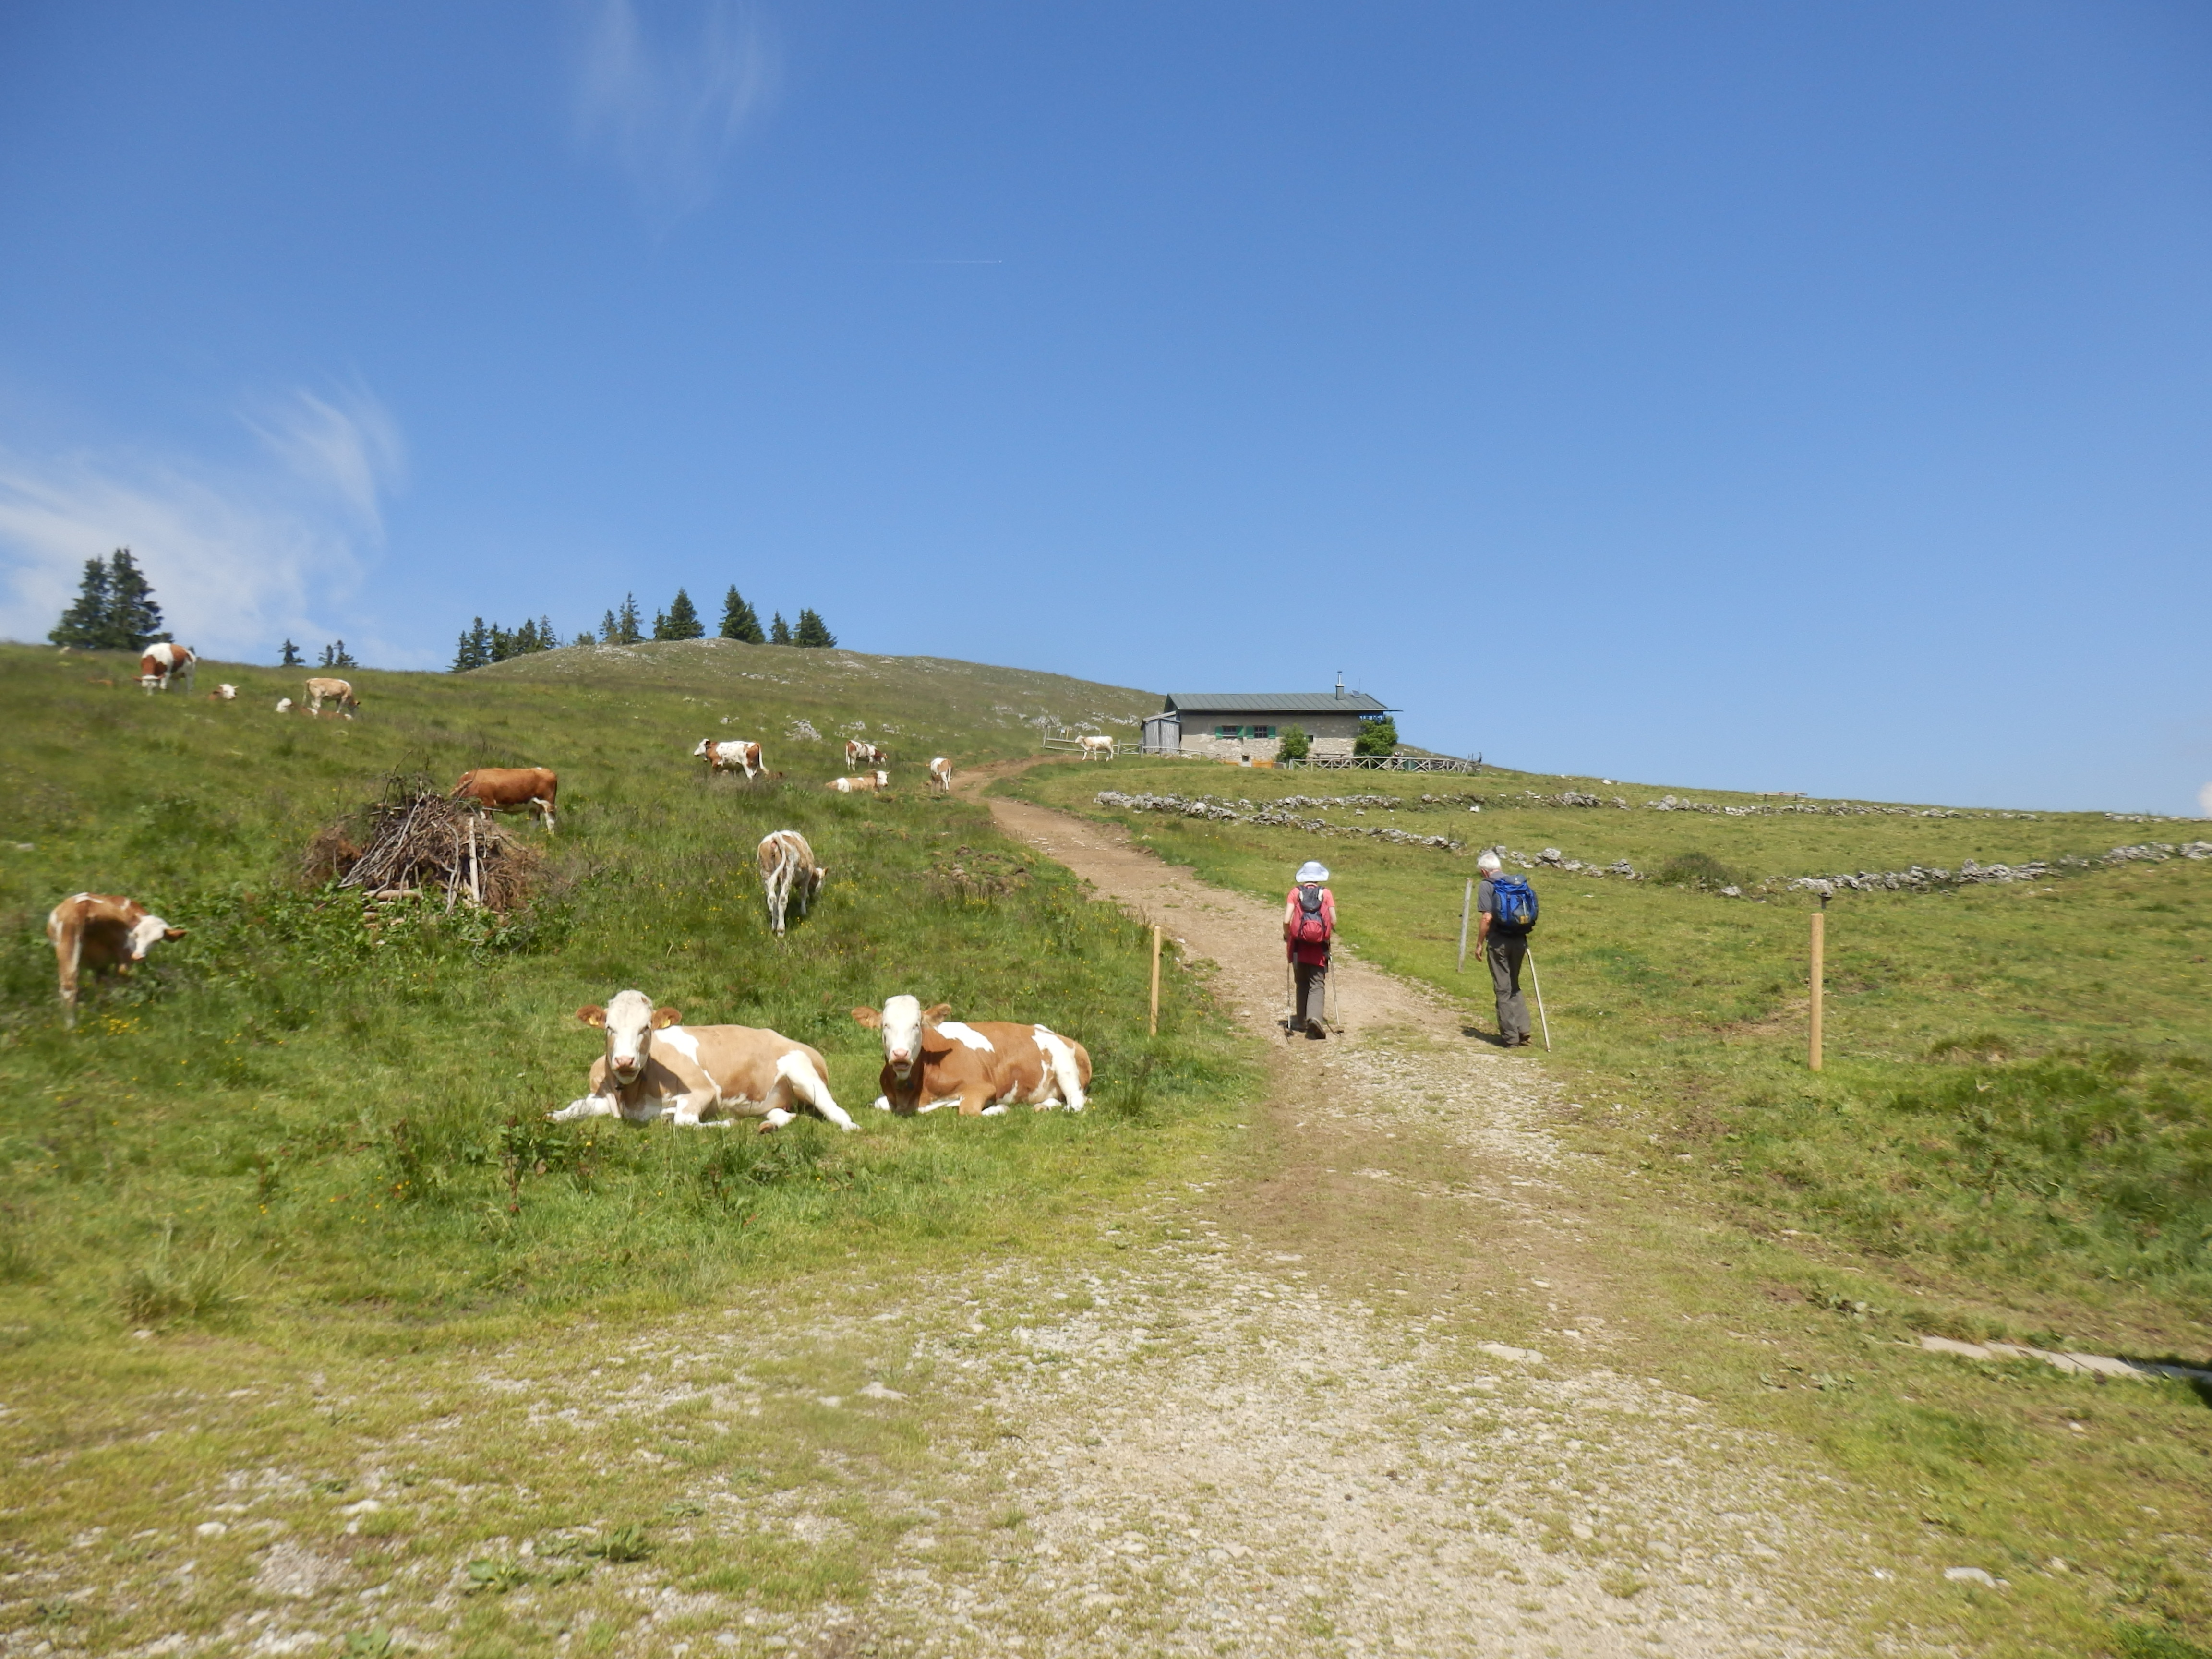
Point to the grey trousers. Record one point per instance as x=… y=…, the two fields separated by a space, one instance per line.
x=1312 y=980
x=1506 y=951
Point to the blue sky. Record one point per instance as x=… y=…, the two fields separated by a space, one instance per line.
x=1775 y=397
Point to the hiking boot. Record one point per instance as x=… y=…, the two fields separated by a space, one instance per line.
x=1315 y=1030
x=1527 y=1037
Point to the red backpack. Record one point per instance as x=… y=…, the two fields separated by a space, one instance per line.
x=1311 y=927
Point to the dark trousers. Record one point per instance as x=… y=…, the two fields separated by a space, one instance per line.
x=1313 y=988
x=1506 y=952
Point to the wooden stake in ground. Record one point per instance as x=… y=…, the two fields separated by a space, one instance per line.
x=1820 y=955
x=1465 y=905
x=1537 y=985
x=1155 y=979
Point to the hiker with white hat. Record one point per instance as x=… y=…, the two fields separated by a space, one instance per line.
x=1505 y=908
x=1309 y=925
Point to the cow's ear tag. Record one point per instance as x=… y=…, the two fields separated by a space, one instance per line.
x=594 y=1017
x=930 y=1016
x=664 y=1017
x=867 y=1017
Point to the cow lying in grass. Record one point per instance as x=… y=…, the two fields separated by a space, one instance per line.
x=91 y=931
x=979 y=1067
x=656 y=1066
x=862 y=784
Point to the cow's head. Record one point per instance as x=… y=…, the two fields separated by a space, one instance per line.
x=629 y=1019
x=148 y=932
x=883 y=780
x=705 y=749
x=901 y=1022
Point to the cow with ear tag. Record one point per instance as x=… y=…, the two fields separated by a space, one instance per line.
x=981 y=1066
x=655 y=1066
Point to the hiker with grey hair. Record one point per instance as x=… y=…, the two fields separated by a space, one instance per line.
x=1309 y=925
x=1505 y=910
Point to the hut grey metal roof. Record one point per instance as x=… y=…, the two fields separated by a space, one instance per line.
x=1273 y=702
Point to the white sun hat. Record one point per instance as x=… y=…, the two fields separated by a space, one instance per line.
x=1311 y=870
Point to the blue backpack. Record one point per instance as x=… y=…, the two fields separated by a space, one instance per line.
x=1515 y=904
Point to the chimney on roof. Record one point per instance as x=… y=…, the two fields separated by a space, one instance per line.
x=1340 y=686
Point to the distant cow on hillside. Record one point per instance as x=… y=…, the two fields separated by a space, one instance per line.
x=861 y=753
x=223 y=693
x=940 y=774
x=511 y=789
x=99 y=930
x=787 y=868
x=339 y=692
x=1099 y=748
x=162 y=662
x=729 y=755
x=861 y=785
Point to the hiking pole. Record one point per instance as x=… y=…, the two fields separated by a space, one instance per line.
x=1465 y=905
x=1536 y=981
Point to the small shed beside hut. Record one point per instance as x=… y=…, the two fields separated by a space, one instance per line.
x=1249 y=725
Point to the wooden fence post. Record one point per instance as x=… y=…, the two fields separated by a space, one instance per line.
x=1156 y=980
x=1820 y=973
x=1465 y=905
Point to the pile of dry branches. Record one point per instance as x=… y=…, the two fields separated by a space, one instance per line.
x=417 y=843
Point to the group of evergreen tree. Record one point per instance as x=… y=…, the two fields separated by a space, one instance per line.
x=334 y=655
x=114 y=610
x=491 y=643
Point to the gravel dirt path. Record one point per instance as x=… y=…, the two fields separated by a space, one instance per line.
x=1363 y=1396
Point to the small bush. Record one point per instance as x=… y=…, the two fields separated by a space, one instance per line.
x=1293 y=744
x=170 y=1287
x=1698 y=870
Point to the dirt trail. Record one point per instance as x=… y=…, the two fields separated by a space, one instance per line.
x=1360 y=1402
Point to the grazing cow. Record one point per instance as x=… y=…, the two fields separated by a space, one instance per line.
x=656 y=1066
x=1102 y=748
x=788 y=866
x=340 y=694
x=283 y=705
x=861 y=785
x=91 y=931
x=223 y=693
x=860 y=753
x=729 y=756
x=978 y=1066
x=162 y=662
x=940 y=774
x=511 y=789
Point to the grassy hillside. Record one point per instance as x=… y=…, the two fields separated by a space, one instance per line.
x=2018 y=1097
x=287 y=1114
x=914 y=706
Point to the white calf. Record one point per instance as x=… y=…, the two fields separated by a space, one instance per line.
x=940 y=774
x=1097 y=748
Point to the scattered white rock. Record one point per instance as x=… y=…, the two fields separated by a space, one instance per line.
x=1973 y=1576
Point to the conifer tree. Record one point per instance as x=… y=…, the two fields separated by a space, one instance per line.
x=475 y=648
x=335 y=655
x=779 y=631
x=292 y=657
x=610 y=629
x=681 y=622
x=114 y=609
x=740 y=621
x=84 y=624
x=813 y=630
x=134 y=620
x=631 y=628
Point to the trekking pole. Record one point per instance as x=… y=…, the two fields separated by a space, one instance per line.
x=1465 y=905
x=1536 y=981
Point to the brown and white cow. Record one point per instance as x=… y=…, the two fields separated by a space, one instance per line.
x=980 y=1067
x=92 y=931
x=940 y=774
x=655 y=1066
x=859 y=752
x=1097 y=748
x=224 y=693
x=788 y=866
x=861 y=785
x=511 y=789
x=729 y=755
x=163 y=661
x=338 y=691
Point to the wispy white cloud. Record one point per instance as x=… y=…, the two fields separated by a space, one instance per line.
x=240 y=555
x=667 y=98
x=348 y=445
